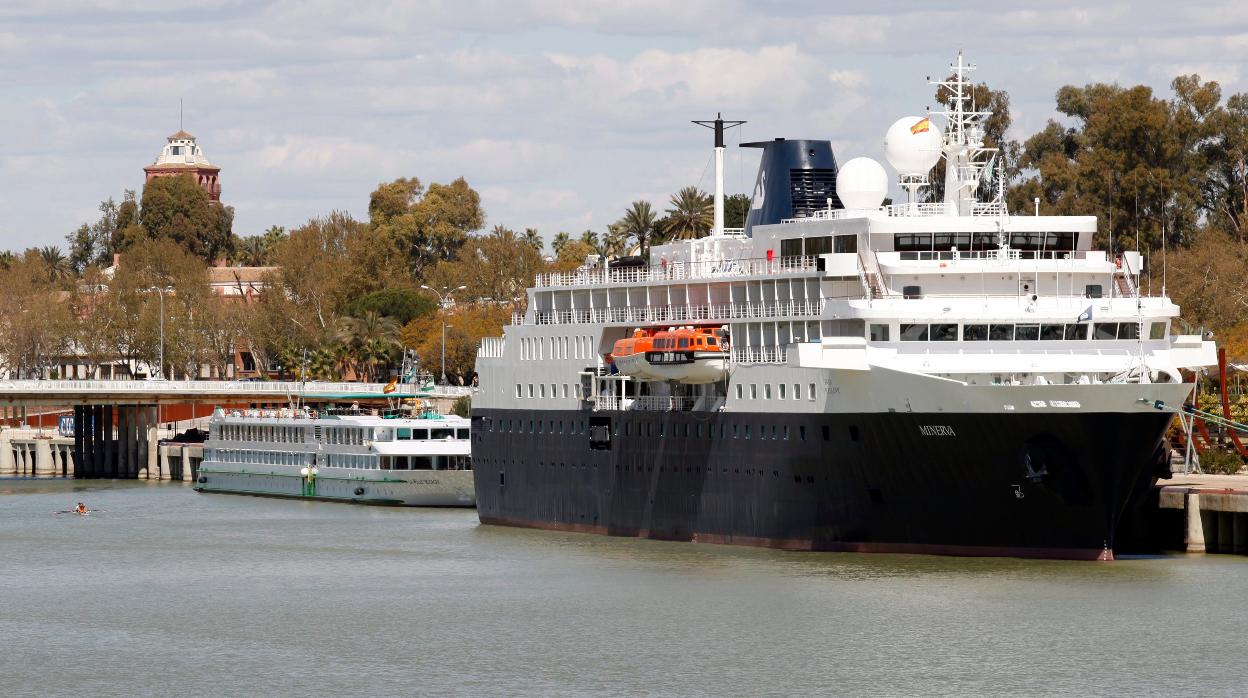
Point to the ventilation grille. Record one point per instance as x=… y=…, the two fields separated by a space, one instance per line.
x=811 y=189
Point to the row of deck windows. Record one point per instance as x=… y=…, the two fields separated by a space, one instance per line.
x=426 y=463
x=233 y=455
x=781 y=391
x=574 y=347
x=439 y=434
x=258 y=432
x=538 y=390
x=736 y=430
x=1007 y=332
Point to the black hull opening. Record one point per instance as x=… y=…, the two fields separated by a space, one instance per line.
x=1053 y=485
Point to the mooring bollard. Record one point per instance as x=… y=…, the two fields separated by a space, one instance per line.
x=1194 y=537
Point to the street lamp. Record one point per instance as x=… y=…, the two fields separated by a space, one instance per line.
x=444 y=301
x=161 y=290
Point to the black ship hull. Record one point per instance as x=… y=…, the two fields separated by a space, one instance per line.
x=1049 y=485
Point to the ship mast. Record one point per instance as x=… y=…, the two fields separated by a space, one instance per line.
x=719 y=125
x=964 y=139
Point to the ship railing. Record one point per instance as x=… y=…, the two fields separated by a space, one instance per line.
x=677 y=313
x=676 y=271
x=760 y=355
x=492 y=347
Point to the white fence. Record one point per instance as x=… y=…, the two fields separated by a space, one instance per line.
x=675 y=313
x=224 y=388
x=677 y=271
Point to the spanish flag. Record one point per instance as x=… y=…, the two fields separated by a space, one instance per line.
x=921 y=126
x=391 y=386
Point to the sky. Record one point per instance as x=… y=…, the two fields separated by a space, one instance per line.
x=558 y=113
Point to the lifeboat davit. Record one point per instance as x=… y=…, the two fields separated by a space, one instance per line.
x=629 y=356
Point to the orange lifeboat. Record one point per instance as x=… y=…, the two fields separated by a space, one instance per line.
x=629 y=355
x=689 y=354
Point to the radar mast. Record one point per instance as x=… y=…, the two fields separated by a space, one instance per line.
x=964 y=139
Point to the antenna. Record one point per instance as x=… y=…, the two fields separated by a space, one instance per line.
x=179 y=113
x=718 y=125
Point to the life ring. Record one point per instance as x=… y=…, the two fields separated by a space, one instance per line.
x=359 y=491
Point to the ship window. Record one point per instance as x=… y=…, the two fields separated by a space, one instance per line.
x=1001 y=333
x=797 y=391
x=463 y=433
x=912 y=242
x=1105 y=330
x=747 y=431
x=1129 y=330
x=1051 y=332
x=827 y=435
x=682 y=343
x=565 y=390
x=1093 y=291
x=913 y=332
x=811 y=394
x=786 y=432
x=736 y=431
x=818 y=246
x=553 y=392
x=1076 y=332
x=738 y=391
x=541 y=390
x=791 y=247
x=801 y=432
x=766 y=391
x=782 y=388
x=853 y=432
x=879 y=333
x=712 y=342
x=1157 y=330
x=530 y=390
x=405 y=434
x=421 y=463
x=974 y=333
x=845 y=244
x=400 y=463
x=944 y=333
x=1027 y=332
x=519 y=390
x=753 y=391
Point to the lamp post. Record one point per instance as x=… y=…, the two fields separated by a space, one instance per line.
x=444 y=300
x=161 y=291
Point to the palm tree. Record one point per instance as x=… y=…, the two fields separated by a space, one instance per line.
x=691 y=214
x=504 y=233
x=590 y=238
x=6 y=259
x=638 y=224
x=56 y=262
x=251 y=251
x=369 y=341
x=534 y=238
x=615 y=243
x=559 y=242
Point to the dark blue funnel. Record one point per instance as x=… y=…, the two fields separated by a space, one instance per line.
x=795 y=179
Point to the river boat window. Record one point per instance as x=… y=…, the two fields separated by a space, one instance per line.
x=1051 y=332
x=975 y=333
x=420 y=462
x=1076 y=331
x=1105 y=330
x=879 y=333
x=1157 y=330
x=1027 y=332
x=1000 y=333
x=913 y=332
x=944 y=333
x=405 y=434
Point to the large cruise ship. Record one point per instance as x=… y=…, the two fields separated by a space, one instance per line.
x=944 y=376
x=358 y=458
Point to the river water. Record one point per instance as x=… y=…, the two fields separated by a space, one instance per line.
x=170 y=592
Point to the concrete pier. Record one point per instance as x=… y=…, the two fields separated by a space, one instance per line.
x=1214 y=508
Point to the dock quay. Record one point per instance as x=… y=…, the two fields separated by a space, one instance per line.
x=1209 y=512
x=27 y=453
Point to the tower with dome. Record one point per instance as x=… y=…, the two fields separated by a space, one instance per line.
x=182 y=155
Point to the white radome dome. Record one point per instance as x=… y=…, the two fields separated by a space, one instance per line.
x=912 y=145
x=861 y=183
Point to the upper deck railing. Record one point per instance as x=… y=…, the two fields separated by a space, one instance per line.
x=978 y=209
x=673 y=313
x=673 y=271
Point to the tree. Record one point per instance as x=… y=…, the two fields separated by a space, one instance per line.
x=558 y=243
x=34 y=318
x=534 y=238
x=370 y=343
x=402 y=304
x=572 y=255
x=257 y=250
x=178 y=209
x=736 y=210
x=425 y=226
x=638 y=224
x=56 y=264
x=466 y=324
x=498 y=267
x=691 y=215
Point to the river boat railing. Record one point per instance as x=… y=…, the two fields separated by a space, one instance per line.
x=673 y=313
x=675 y=271
x=224 y=388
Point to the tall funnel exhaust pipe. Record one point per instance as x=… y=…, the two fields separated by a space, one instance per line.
x=718 y=125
